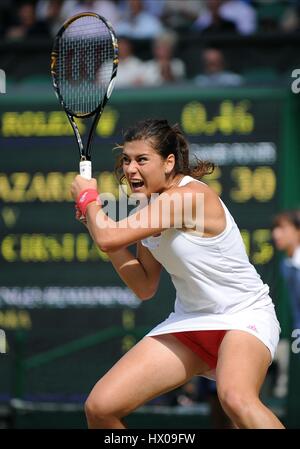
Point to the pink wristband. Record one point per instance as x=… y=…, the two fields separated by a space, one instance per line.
x=84 y=198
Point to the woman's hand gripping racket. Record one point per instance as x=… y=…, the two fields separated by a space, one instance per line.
x=84 y=63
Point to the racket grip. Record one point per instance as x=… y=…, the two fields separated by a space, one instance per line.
x=85 y=169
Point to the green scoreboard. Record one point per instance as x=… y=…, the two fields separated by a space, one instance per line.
x=66 y=315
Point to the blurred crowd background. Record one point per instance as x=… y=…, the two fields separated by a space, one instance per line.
x=164 y=41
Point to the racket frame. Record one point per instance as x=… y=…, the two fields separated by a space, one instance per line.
x=85 y=153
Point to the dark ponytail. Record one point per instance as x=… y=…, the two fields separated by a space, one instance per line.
x=182 y=150
x=165 y=140
x=200 y=169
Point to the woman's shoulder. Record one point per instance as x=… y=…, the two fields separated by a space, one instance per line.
x=189 y=183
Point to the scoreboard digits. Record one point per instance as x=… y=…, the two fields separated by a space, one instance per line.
x=49 y=262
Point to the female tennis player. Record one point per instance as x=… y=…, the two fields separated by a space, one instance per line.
x=223 y=325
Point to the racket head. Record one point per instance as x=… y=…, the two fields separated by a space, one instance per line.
x=84 y=63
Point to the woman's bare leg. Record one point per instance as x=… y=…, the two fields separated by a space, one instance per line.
x=242 y=366
x=152 y=367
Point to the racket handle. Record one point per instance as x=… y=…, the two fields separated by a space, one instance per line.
x=85 y=169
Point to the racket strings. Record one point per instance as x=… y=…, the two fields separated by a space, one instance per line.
x=85 y=64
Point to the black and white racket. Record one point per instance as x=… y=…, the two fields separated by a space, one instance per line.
x=84 y=63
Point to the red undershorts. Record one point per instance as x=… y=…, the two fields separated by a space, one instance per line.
x=204 y=343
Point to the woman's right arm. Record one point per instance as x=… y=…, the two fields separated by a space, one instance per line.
x=141 y=273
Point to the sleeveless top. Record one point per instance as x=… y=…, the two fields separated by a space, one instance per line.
x=210 y=274
x=216 y=285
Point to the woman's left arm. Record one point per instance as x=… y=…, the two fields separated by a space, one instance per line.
x=166 y=211
x=110 y=235
x=178 y=207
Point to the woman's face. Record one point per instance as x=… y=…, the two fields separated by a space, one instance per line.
x=286 y=236
x=144 y=168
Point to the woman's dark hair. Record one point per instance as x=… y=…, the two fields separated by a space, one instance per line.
x=292 y=216
x=165 y=139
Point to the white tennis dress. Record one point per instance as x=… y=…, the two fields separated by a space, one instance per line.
x=216 y=285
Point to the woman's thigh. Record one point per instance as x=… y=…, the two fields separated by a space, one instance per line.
x=243 y=362
x=152 y=367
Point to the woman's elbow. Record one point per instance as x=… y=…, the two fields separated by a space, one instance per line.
x=145 y=294
x=107 y=246
x=104 y=247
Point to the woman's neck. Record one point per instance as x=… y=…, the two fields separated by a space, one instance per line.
x=175 y=180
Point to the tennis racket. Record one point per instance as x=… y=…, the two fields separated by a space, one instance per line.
x=84 y=63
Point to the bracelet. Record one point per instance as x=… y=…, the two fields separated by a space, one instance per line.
x=84 y=198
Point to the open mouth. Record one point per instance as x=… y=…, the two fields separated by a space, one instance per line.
x=136 y=184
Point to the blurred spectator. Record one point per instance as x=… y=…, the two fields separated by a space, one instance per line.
x=213 y=22
x=180 y=15
x=155 y=7
x=105 y=8
x=26 y=24
x=286 y=235
x=163 y=68
x=54 y=12
x=214 y=72
x=240 y=13
x=290 y=19
x=131 y=68
x=137 y=23
x=269 y=14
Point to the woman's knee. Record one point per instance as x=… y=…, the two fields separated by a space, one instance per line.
x=95 y=408
x=235 y=401
x=99 y=407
